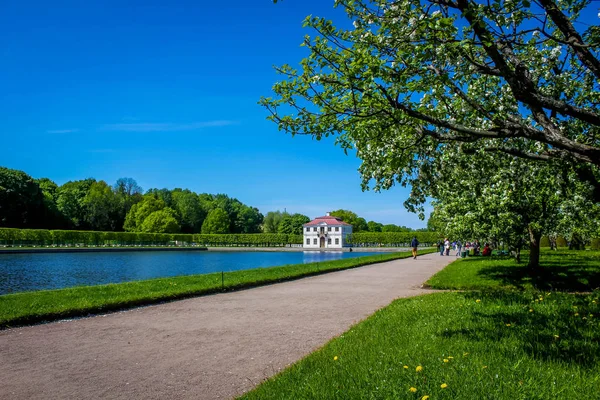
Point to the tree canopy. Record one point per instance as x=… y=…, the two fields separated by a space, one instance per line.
x=411 y=80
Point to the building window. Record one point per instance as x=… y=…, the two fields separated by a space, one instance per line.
x=329 y=241
x=314 y=241
x=328 y=229
x=337 y=228
x=307 y=229
x=315 y=229
x=307 y=241
x=337 y=240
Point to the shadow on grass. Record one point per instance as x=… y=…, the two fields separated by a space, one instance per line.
x=551 y=333
x=558 y=272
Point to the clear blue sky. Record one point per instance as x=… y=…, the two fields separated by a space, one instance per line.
x=166 y=92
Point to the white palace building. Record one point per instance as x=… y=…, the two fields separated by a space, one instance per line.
x=326 y=233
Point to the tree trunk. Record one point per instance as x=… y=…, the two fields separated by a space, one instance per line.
x=534 y=248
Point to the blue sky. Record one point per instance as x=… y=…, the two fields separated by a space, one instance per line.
x=166 y=93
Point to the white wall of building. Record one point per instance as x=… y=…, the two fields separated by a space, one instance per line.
x=334 y=239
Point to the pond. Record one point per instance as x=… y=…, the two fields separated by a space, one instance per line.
x=29 y=272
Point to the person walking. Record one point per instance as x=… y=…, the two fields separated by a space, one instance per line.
x=441 y=249
x=414 y=244
x=447 y=245
x=458 y=248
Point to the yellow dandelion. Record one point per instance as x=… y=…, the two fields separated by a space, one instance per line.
x=406 y=367
x=576 y=314
x=335 y=358
x=413 y=389
x=477 y=301
x=450 y=357
x=425 y=397
x=507 y=324
x=443 y=386
x=531 y=310
x=445 y=360
x=419 y=368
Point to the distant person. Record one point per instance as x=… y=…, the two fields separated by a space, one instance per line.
x=441 y=247
x=414 y=244
x=447 y=245
x=458 y=248
x=487 y=250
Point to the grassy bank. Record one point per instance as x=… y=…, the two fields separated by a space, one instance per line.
x=31 y=307
x=494 y=348
x=561 y=270
x=507 y=340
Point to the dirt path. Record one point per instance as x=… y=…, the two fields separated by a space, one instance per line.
x=210 y=347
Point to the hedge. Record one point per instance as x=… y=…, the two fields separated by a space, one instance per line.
x=392 y=239
x=43 y=237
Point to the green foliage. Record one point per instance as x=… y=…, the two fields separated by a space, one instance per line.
x=391 y=239
x=217 y=222
x=162 y=221
x=21 y=199
x=561 y=242
x=545 y=242
x=31 y=307
x=373 y=226
x=42 y=237
x=292 y=224
x=595 y=244
x=272 y=220
x=140 y=211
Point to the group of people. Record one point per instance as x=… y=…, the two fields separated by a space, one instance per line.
x=444 y=247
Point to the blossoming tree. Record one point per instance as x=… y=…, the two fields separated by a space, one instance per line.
x=410 y=80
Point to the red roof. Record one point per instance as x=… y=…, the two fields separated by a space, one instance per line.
x=329 y=220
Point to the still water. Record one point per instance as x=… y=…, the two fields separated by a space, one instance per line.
x=28 y=272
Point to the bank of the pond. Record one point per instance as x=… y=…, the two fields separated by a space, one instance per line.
x=33 y=307
x=50 y=250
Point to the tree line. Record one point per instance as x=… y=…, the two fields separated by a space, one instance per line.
x=94 y=205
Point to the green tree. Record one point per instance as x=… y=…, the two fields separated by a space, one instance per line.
x=101 y=207
x=21 y=200
x=70 y=202
x=217 y=222
x=52 y=218
x=161 y=221
x=191 y=214
x=272 y=220
x=140 y=211
x=412 y=79
x=374 y=226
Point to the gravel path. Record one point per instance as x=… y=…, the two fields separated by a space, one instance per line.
x=212 y=347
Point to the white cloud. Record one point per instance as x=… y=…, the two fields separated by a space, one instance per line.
x=166 y=127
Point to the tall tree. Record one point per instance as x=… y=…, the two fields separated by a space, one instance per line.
x=70 y=202
x=412 y=78
x=217 y=222
x=190 y=213
x=161 y=221
x=272 y=220
x=140 y=211
x=101 y=207
x=21 y=200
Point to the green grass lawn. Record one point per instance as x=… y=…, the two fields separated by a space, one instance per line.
x=562 y=270
x=509 y=340
x=31 y=307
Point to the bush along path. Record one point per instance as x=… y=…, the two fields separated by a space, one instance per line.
x=518 y=335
